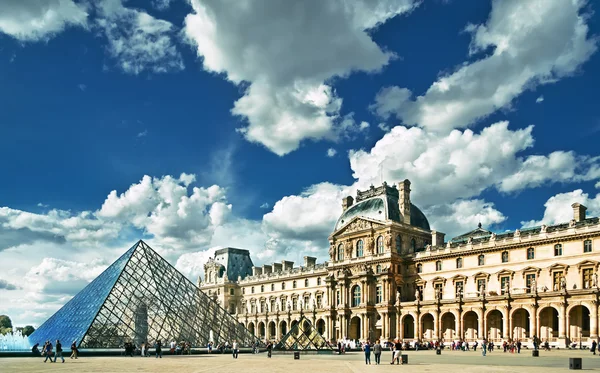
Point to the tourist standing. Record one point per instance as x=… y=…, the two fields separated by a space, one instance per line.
x=377 y=352
x=172 y=347
x=518 y=346
x=58 y=351
x=367 y=350
x=48 y=351
x=593 y=348
x=484 y=346
x=269 y=348
x=235 y=349
x=158 y=349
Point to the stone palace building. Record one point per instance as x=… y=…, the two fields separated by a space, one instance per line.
x=390 y=275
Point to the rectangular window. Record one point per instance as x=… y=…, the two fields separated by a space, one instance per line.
x=529 y=281
x=272 y=305
x=379 y=295
x=306 y=303
x=557 y=249
x=458 y=288
x=319 y=300
x=438 y=290
x=338 y=298
x=231 y=292
x=504 y=284
x=586 y=275
x=587 y=246
x=556 y=279
x=530 y=253
x=294 y=304
x=232 y=308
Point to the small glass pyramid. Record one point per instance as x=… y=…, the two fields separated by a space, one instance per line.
x=303 y=336
x=141 y=298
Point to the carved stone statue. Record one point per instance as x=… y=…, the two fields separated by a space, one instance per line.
x=398 y=297
x=482 y=290
x=332 y=251
x=543 y=228
x=595 y=280
x=563 y=283
x=470 y=240
x=533 y=286
x=417 y=295
x=493 y=237
x=572 y=223
x=370 y=245
x=428 y=247
x=348 y=247
x=517 y=233
x=388 y=241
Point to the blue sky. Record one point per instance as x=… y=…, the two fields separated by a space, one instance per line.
x=488 y=107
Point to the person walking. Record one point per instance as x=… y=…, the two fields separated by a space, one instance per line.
x=58 y=351
x=74 y=350
x=519 y=346
x=48 y=351
x=484 y=346
x=593 y=348
x=269 y=349
x=235 y=349
x=377 y=352
x=367 y=350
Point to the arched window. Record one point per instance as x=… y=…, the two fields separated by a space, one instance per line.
x=587 y=246
x=438 y=265
x=458 y=262
x=272 y=287
x=359 y=248
x=378 y=268
x=283 y=286
x=262 y=288
x=318 y=280
x=340 y=253
x=481 y=259
x=356 y=296
x=380 y=245
x=306 y=283
x=294 y=284
x=399 y=244
x=413 y=245
x=557 y=249
x=419 y=268
x=530 y=253
x=252 y=290
x=505 y=257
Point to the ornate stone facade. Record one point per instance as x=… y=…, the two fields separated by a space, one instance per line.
x=390 y=276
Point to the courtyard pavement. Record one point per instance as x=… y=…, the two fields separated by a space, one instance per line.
x=421 y=361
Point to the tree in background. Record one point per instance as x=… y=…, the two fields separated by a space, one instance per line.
x=27 y=330
x=5 y=324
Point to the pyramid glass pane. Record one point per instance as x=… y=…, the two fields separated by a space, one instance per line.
x=303 y=336
x=144 y=299
x=72 y=321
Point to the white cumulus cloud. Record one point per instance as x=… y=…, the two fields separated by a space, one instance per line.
x=331 y=152
x=558 y=208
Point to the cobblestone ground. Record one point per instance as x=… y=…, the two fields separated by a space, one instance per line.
x=422 y=361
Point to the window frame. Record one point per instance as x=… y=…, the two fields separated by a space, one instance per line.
x=419 y=268
x=588 y=246
x=459 y=260
x=378 y=294
x=558 y=249
x=481 y=260
x=356 y=296
x=340 y=252
x=504 y=256
x=359 y=249
x=532 y=251
x=438 y=265
x=380 y=248
x=399 y=244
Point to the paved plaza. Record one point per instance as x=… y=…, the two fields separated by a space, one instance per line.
x=422 y=361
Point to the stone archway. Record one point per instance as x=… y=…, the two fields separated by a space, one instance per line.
x=272 y=330
x=320 y=326
x=471 y=325
x=521 y=320
x=282 y=329
x=293 y=324
x=408 y=327
x=251 y=328
x=579 y=323
x=427 y=326
x=448 y=326
x=494 y=323
x=548 y=321
x=354 y=330
x=261 y=330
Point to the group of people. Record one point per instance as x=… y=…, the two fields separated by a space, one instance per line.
x=395 y=346
x=49 y=350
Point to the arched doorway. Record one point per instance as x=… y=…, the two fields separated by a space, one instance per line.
x=293 y=324
x=272 y=331
x=427 y=326
x=471 y=325
x=520 y=323
x=579 y=323
x=282 y=329
x=448 y=326
x=495 y=320
x=354 y=330
x=321 y=326
x=261 y=330
x=408 y=326
x=548 y=323
x=251 y=328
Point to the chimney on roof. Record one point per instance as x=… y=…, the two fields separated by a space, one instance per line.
x=287 y=264
x=404 y=200
x=266 y=269
x=437 y=238
x=277 y=267
x=347 y=202
x=309 y=261
x=256 y=271
x=578 y=211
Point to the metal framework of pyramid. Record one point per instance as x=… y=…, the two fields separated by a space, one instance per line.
x=303 y=336
x=141 y=298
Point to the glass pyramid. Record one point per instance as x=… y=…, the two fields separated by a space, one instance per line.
x=141 y=298
x=303 y=336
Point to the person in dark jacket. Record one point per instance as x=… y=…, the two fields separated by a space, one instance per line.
x=377 y=351
x=593 y=348
x=74 y=350
x=58 y=351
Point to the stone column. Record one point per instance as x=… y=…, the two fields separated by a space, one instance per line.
x=532 y=324
x=506 y=325
x=436 y=328
x=418 y=327
x=594 y=320
x=385 y=322
x=459 y=326
x=562 y=321
x=400 y=329
x=481 y=325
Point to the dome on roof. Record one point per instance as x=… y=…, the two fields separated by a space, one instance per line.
x=382 y=208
